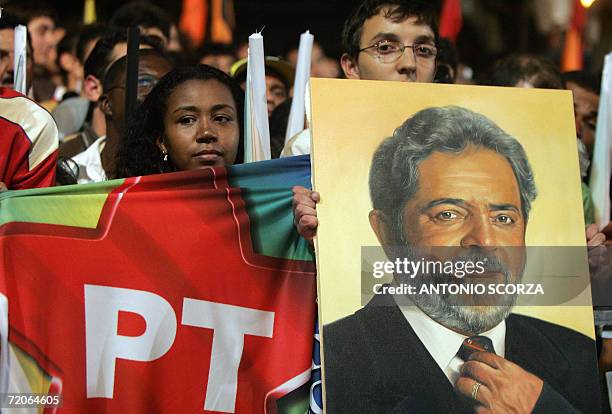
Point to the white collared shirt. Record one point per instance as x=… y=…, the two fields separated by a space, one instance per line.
x=90 y=163
x=444 y=343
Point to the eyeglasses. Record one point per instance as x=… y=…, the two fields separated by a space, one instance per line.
x=145 y=84
x=389 y=51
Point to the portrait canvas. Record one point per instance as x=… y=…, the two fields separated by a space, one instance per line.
x=485 y=174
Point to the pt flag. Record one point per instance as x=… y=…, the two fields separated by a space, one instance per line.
x=187 y=292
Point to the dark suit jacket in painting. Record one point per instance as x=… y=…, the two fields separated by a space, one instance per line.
x=375 y=363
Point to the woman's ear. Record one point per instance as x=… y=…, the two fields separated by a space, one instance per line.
x=160 y=144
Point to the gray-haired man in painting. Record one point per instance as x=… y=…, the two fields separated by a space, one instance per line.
x=451 y=177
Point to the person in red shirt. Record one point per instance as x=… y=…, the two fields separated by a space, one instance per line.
x=28 y=143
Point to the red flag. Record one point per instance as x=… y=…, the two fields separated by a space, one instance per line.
x=451 y=19
x=572 y=58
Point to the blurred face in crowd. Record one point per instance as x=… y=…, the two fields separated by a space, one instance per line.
x=174 y=44
x=7 y=75
x=385 y=33
x=200 y=125
x=322 y=66
x=41 y=30
x=276 y=93
x=151 y=68
x=221 y=62
x=586 y=106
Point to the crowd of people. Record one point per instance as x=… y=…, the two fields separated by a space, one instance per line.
x=72 y=126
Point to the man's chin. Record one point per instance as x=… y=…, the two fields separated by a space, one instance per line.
x=469 y=318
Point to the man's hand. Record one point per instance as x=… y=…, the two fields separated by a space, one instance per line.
x=2 y=187
x=305 y=212
x=505 y=387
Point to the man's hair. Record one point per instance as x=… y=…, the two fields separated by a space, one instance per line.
x=100 y=57
x=398 y=10
x=118 y=68
x=143 y=14
x=583 y=79
x=87 y=34
x=539 y=71
x=216 y=49
x=9 y=20
x=394 y=174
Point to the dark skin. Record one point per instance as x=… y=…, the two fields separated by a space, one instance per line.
x=151 y=68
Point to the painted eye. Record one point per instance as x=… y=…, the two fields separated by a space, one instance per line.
x=447 y=215
x=504 y=219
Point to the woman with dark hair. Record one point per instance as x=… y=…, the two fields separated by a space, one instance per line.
x=191 y=119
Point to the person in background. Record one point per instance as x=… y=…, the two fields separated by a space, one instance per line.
x=278 y=127
x=447 y=62
x=98 y=161
x=322 y=66
x=71 y=113
x=7 y=42
x=279 y=79
x=28 y=150
x=217 y=55
x=71 y=70
x=192 y=119
x=585 y=91
x=151 y=20
x=108 y=49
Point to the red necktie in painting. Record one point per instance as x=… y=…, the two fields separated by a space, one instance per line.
x=475 y=344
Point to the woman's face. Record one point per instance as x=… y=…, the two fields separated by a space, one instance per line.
x=200 y=125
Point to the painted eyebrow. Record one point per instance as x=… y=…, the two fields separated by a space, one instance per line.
x=462 y=203
x=503 y=207
x=454 y=201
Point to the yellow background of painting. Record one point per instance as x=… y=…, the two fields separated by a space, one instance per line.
x=351 y=118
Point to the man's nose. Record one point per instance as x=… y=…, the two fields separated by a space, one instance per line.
x=407 y=64
x=480 y=234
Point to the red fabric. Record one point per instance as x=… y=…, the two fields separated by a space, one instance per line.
x=193 y=20
x=451 y=19
x=176 y=236
x=15 y=147
x=572 y=58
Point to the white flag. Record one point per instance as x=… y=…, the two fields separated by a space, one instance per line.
x=302 y=75
x=256 y=128
x=19 y=64
x=602 y=152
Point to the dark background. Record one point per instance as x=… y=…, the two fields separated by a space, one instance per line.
x=284 y=20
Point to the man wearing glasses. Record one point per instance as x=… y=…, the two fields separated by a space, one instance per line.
x=391 y=40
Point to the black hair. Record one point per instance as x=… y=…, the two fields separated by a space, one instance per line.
x=143 y=14
x=216 y=49
x=9 y=19
x=279 y=118
x=119 y=67
x=138 y=152
x=100 y=57
x=537 y=70
x=87 y=34
x=583 y=79
x=447 y=61
x=398 y=10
